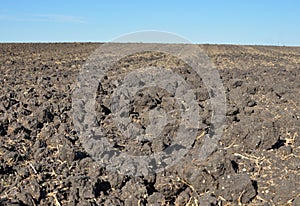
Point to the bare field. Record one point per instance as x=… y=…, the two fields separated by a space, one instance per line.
x=43 y=162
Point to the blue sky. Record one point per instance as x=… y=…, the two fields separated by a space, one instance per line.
x=218 y=22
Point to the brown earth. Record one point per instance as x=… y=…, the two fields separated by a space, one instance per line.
x=43 y=162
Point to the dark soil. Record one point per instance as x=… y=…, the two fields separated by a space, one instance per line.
x=43 y=162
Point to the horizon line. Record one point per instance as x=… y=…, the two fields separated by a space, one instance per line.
x=103 y=42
